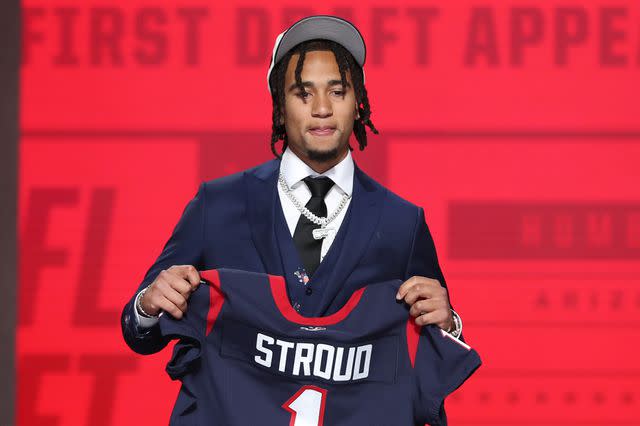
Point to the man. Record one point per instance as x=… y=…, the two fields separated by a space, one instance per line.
x=310 y=215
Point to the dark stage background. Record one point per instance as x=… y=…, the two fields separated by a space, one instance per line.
x=514 y=124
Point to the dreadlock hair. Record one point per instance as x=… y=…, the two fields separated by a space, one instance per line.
x=345 y=62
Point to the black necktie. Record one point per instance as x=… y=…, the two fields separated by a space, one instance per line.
x=308 y=247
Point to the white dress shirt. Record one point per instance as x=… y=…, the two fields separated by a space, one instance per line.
x=294 y=170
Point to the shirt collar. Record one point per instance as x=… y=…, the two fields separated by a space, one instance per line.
x=294 y=170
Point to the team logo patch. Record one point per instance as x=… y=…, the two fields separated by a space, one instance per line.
x=310 y=328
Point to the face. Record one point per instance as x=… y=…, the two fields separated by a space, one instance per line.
x=319 y=119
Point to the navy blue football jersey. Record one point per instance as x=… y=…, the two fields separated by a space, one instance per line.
x=246 y=357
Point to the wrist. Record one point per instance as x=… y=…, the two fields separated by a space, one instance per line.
x=456 y=328
x=452 y=323
x=138 y=304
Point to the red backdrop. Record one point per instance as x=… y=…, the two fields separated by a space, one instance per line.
x=514 y=125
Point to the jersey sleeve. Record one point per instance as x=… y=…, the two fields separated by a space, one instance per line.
x=442 y=364
x=190 y=331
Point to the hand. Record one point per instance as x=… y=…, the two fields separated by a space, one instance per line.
x=428 y=300
x=170 y=291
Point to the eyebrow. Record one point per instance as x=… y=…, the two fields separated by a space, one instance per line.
x=310 y=84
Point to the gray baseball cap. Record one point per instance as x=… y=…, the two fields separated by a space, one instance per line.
x=325 y=27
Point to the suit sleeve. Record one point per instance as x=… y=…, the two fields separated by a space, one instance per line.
x=423 y=260
x=184 y=247
x=442 y=365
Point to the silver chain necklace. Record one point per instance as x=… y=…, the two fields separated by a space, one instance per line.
x=323 y=231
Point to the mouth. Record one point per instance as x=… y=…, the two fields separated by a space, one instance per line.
x=322 y=131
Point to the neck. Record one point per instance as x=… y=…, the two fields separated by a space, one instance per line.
x=319 y=166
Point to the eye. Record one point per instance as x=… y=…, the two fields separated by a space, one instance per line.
x=339 y=92
x=303 y=95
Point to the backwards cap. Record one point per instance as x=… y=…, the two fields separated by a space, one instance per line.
x=324 y=27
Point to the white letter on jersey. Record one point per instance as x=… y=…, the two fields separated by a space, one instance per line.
x=348 y=368
x=268 y=354
x=317 y=364
x=284 y=347
x=305 y=360
x=358 y=372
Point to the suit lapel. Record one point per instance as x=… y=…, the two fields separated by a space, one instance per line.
x=364 y=215
x=261 y=193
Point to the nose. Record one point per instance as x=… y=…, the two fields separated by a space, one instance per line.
x=321 y=106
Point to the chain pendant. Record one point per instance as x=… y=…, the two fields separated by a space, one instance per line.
x=321 y=233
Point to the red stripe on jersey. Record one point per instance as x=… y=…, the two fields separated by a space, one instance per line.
x=216 y=298
x=279 y=292
x=413 y=335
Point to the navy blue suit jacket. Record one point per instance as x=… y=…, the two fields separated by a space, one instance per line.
x=230 y=224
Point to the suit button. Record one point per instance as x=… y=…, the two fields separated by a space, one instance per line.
x=308 y=291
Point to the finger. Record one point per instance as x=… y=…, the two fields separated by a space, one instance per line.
x=169 y=307
x=189 y=273
x=428 y=318
x=423 y=306
x=156 y=299
x=169 y=281
x=177 y=300
x=423 y=290
x=407 y=285
x=438 y=317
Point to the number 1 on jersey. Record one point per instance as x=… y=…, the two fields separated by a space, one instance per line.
x=307 y=406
